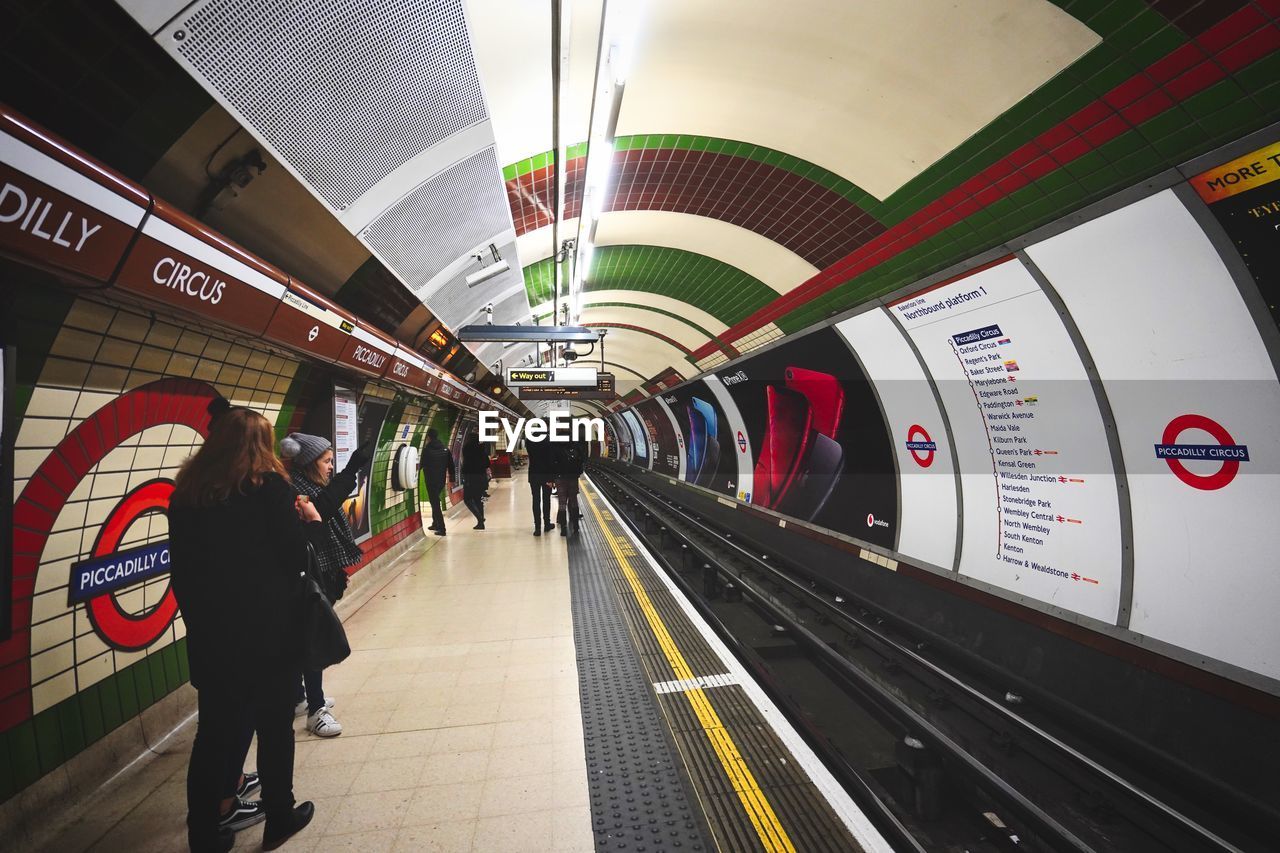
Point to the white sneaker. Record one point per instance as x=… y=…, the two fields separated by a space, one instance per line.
x=322 y=724
x=300 y=709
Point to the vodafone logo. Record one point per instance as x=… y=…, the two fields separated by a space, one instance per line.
x=872 y=521
x=920 y=445
x=1225 y=451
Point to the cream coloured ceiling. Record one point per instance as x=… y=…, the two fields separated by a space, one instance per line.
x=512 y=43
x=874 y=90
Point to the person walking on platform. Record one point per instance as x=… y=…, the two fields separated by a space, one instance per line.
x=542 y=472
x=310 y=459
x=569 y=458
x=238 y=545
x=436 y=466
x=475 y=478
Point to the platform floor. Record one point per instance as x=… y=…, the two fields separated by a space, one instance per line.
x=503 y=695
x=461 y=723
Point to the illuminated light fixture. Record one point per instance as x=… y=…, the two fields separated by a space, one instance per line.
x=439 y=339
x=485 y=273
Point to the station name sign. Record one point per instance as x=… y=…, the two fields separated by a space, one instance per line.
x=568 y=377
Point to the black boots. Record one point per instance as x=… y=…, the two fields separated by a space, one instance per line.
x=537 y=531
x=280 y=830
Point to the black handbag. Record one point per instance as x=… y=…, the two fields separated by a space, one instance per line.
x=324 y=640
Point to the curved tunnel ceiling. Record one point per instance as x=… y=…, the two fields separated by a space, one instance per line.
x=768 y=169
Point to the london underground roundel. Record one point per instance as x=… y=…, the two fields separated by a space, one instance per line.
x=921 y=445
x=113 y=567
x=121 y=629
x=1226 y=451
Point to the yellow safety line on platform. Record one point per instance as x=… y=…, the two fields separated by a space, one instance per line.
x=766 y=823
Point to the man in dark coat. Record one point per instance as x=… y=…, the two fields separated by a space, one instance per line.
x=436 y=465
x=542 y=471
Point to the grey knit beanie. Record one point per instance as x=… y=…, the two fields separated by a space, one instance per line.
x=304 y=449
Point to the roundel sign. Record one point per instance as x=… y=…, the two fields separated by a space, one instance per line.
x=742 y=442
x=921 y=446
x=1226 y=451
x=111 y=568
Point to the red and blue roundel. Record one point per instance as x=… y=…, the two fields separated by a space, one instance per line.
x=1225 y=451
x=166 y=401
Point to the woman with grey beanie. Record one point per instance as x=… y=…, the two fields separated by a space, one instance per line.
x=310 y=461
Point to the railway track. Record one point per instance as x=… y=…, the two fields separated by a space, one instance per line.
x=941 y=758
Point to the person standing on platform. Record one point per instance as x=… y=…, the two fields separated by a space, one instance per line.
x=569 y=458
x=436 y=465
x=238 y=544
x=310 y=459
x=475 y=478
x=542 y=472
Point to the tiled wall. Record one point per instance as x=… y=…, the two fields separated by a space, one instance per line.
x=111 y=400
x=116 y=403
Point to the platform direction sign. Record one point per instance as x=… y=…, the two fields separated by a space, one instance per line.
x=542 y=377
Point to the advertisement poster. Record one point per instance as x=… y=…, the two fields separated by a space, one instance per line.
x=928 y=525
x=461 y=432
x=710 y=451
x=1244 y=196
x=623 y=433
x=639 y=438
x=664 y=449
x=1041 y=509
x=821 y=451
x=369 y=416
x=1196 y=405
x=345 y=426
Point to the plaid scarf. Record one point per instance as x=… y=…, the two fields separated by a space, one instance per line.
x=339 y=549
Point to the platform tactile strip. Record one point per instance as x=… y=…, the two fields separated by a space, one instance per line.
x=809 y=822
x=639 y=800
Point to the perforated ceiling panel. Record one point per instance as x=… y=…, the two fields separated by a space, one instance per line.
x=441 y=220
x=345 y=91
x=456 y=304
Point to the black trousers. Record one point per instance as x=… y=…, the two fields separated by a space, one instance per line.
x=541 y=493
x=437 y=514
x=473 y=486
x=226 y=710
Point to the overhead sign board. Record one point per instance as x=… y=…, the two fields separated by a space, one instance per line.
x=603 y=390
x=569 y=377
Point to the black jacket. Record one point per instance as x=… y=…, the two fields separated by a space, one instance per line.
x=475 y=458
x=235 y=571
x=542 y=462
x=436 y=464
x=569 y=458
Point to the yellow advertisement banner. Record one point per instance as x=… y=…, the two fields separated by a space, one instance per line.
x=1240 y=175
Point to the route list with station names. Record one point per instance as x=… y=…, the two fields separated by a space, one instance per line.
x=1039 y=500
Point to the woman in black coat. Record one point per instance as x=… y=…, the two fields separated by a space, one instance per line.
x=237 y=540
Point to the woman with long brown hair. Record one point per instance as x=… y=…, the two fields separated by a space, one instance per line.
x=237 y=540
